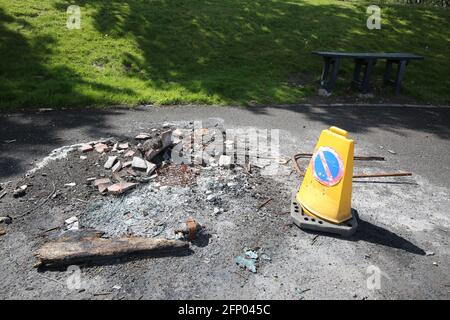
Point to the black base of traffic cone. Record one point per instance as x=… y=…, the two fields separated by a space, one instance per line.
x=307 y=222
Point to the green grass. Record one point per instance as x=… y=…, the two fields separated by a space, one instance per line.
x=209 y=52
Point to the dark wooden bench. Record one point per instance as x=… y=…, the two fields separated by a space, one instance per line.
x=332 y=61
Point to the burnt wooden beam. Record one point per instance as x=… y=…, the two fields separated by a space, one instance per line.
x=90 y=247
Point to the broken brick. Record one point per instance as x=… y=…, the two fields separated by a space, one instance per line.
x=121 y=187
x=20 y=191
x=139 y=163
x=110 y=162
x=129 y=153
x=102 y=188
x=116 y=167
x=119 y=176
x=101 y=147
x=150 y=154
x=225 y=161
x=131 y=172
x=127 y=164
x=150 y=167
x=123 y=146
x=166 y=138
x=142 y=136
x=101 y=181
x=86 y=148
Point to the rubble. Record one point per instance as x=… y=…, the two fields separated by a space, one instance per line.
x=169 y=186
x=139 y=164
x=99 y=182
x=225 y=161
x=20 y=191
x=102 y=188
x=86 y=148
x=102 y=184
x=72 y=223
x=166 y=138
x=69 y=185
x=123 y=146
x=129 y=153
x=121 y=187
x=189 y=229
x=110 y=162
x=101 y=147
x=151 y=167
x=6 y=220
x=116 y=167
x=142 y=136
x=151 y=153
x=127 y=164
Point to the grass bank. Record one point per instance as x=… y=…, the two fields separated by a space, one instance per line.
x=209 y=51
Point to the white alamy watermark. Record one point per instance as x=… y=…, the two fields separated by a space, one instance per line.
x=257 y=147
x=76 y=280
x=73 y=17
x=375 y=276
x=374 y=20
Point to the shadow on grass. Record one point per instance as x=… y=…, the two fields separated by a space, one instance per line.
x=225 y=51
x=245 y=51
x=27 y=80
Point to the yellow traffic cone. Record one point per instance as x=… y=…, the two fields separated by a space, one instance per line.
x=326 y=191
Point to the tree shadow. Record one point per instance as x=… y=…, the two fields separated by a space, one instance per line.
x=214 y=47
x=26 y=78
x=360 y=119
x=35 y=135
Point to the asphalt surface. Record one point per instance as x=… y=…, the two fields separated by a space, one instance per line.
x=404 y=228
x=418 y=136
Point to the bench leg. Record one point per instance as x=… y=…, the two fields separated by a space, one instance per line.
x=329 y=73
x=325 y=71
x=330 y=86
x=400 y=74
x=387 y=72
x=357 y=73
x=365 y=86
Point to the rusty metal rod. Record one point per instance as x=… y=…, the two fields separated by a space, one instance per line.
x=363 y=158
x=264 y=203
x=295 y=165
x=360 y=175
x=382 y=175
